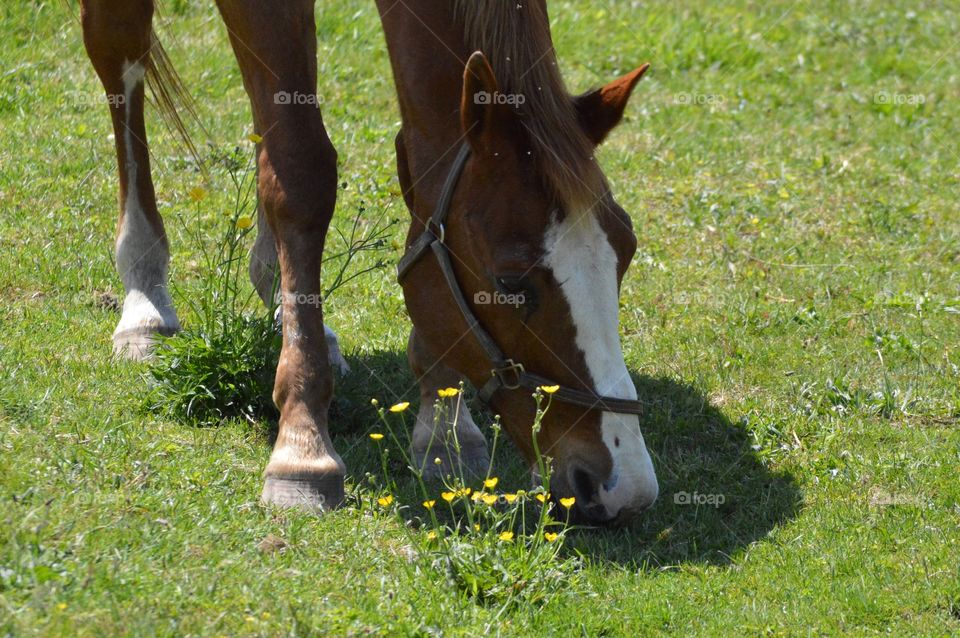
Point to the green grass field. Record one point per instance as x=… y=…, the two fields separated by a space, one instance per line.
x=793 y=313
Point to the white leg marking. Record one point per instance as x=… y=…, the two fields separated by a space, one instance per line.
x=583 y=261
x=334 y=356
x=141 y=255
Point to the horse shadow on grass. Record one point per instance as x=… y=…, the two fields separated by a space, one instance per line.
x=716 y=494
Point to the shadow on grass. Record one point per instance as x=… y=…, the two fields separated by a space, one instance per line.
x=697 y=451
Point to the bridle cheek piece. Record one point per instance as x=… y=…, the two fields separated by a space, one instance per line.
x=505 y=373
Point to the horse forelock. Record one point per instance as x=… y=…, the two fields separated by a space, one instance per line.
x=515 y=38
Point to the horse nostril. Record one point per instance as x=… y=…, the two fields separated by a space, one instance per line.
x=583 y=485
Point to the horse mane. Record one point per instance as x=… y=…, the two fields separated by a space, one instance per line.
x=515 y=37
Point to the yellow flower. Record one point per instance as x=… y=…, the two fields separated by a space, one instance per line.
x=431 y=535
x=265 y=615
x=506 y=536
x=510 y=498
x=543 y=497
x=61 y=606
x=244 y=223
x=385 y=501
x=491 y=482
x=464 y=492
x=376 y=436
x=197 y=193
x=253 y=137
x=446 y=393
x=400 y=407
x=476 y=527
x=549 y=389
x=477 y=496
x=429 y=504
x=447 y=496
x=550 y=536
x=250 y=619
x=568 y=502
x=489 y=499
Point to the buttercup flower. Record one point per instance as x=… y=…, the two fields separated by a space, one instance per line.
x=550 y=536
x=549 y=389
x=446 y=393
x=244 y=223
x=431 y=535
x=447 y=496
x=376 y=436
x=543 y=497
x=568 y=502
x=510 y=498
x=385 y=501
x=253 y=137
x=506 y=536
x=400 y=407
x=491 y=482
x=429 y=504
x=489 y=499
x=196 y=194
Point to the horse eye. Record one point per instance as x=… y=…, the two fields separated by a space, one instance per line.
x=512 y=284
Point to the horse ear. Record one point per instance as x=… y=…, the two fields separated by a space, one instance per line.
x=478 y=110
x=601 y=110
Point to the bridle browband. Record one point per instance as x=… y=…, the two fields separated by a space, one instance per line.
x=505 y=373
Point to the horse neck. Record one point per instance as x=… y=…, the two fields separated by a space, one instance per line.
x=428 y=54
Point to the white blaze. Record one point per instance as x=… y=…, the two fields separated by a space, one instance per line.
x=584 y=263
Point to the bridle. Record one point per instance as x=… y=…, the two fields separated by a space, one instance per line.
x=505 y=373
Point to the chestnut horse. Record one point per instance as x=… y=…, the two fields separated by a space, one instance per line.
x=515 y=252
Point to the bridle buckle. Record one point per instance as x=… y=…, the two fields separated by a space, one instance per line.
x=509 y=375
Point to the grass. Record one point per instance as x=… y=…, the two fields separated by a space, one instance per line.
x=792 y=174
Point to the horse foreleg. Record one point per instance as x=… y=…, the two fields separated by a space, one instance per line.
x=275 y=45
x=449 y=435
x=118 y=38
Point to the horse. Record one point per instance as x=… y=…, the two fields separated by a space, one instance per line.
x=514 y=257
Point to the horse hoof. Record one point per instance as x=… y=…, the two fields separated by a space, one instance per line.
x=136 y=344
x=473 y=463
x=319 y=493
